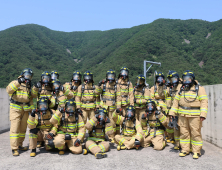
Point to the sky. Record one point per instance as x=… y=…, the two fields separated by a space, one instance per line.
x=85 y=15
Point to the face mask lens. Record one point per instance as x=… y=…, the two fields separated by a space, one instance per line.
x=160 y=79
x=88 y=77
x=70 y=108
x=187 y=79
x=27 y=76
x=76 y=77
x=54 y=76
x=46 y=79
x=111 y=77
x=124 y=73
x=174 y=80
x=43 y=106
x=140 y=81
x=56 y=86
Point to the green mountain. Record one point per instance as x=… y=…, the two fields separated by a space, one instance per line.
x=178 y=44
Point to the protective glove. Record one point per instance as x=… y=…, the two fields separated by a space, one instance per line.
x=21 y=80
x=79 y=111
x=33 y=113
x=38 y=85
x=77 y=142
x=137 y=143
x=74 y=87
x=62 y=110
x=134 y=100
x=34 y=131
x=119 y=110
x=157 y=113
x=101 y=82
x=49 y=136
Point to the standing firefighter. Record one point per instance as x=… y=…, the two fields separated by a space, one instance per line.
x=108 y=97
x=154 y=134
x=157 y=91
x=132 y=133
x=87 y=97
x=191 y=104
x=174 y=82
x=124 y=91
x=72 y=86
x=40 y=127
x=58 y=98
x=71 y=128
x=97 y=127
x=20 y=105
x=141 y=95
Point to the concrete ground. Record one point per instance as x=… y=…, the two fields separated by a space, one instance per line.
x=145 y=158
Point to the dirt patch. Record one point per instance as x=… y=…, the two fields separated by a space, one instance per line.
x=209 y=34
x=186 y=41
x=201 y=64
x=68 y=51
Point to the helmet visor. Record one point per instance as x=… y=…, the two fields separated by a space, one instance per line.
x=173 y=80
x=140 y=81
x=111 y=76
x=87 y=77
x=56 y=85
x=76 y=77
x=187 y=79
x=46 y=78
x=70 y=108
x=43 y=106
x=27 y=76
x=54 y=76
x=124 y=72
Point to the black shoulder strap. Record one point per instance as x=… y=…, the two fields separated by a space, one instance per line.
x=83 y=88
x=107 y=120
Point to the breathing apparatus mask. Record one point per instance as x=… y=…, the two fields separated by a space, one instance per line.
x=187 y=81
x=42 y=105
x=110 y=77
x=46 y=79
x=124 y=74
x=70 y=110
x=130 y=113
x=101 y=117
x=150 y=107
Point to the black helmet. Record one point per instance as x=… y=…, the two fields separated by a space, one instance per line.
x=102 y=116
x=124 y=73
x=150 y=106
x=140 y=80
x=70 y=107
x=110 y=76
x=54 y=75
x=76 y=77
x=173 y=77
x=46 y=78
x=188 y=78
x=56 y=85
x=130 y=112
x=43 y=104
x=160 y=78
x=88 y=77
x=27 y=74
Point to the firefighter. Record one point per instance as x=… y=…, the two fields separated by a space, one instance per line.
x=41 y=129
x=174 y=82
x=108 y=97
x=71 y=128
x=141 y=95
x=87 y=99
x=54 y=75
x=132 y=134
x=21 y=102
x=191 y=104
x=72 y=86
x=154 y=134
x=124 y=93
x=98 y=126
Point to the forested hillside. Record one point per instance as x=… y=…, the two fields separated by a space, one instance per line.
x=178 y=44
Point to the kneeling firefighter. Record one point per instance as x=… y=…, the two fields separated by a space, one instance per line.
x=41 y=129
x=97 y=127
x=21 y=102
x=132 y=133
x=71 y=128
x=191 y=104
x=108 y=97
x=154 y=134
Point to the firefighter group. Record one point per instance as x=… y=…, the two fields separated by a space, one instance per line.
x=114 y=111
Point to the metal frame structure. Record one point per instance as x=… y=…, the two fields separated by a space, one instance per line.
x=146 y=70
